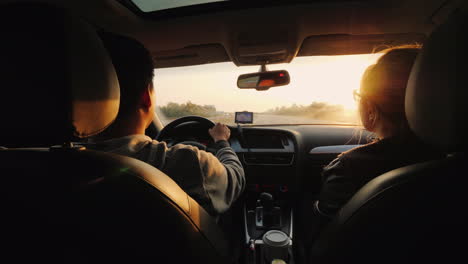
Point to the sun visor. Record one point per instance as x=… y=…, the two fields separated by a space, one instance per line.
x=192 y=55
x=355 y=44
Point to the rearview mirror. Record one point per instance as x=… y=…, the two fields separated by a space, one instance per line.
x=262 y=81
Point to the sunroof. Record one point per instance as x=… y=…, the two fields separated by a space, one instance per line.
x=156 y=5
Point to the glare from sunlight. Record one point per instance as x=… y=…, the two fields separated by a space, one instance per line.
x=322 y=79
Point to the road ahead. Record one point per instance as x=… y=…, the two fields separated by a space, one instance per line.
x=264 y=119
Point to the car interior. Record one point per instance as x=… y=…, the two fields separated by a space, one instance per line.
x=63 y=203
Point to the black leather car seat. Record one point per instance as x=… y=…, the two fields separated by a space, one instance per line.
x=416 y=214
x=66 y=204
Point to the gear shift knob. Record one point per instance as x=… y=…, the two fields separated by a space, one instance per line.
x=267 y=214
x=266 y=200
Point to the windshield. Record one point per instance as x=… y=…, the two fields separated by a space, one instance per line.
x=320 y=91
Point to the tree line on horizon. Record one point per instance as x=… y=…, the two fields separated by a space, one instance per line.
x=172 y=109
x=316 y=110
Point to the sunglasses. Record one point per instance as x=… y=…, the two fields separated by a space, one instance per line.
x=356 y=95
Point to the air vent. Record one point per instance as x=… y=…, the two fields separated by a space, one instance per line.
x=268 y=158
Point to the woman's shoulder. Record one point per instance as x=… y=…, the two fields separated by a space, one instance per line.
x=344 y=158
x=369 y=149
x=357 y=162
x=396 y=148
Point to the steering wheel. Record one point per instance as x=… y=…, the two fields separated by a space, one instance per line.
x=169 y=129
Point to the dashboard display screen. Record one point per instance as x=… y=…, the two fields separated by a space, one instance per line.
x=268 y=141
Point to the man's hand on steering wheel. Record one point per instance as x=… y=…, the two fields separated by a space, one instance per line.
x=219 y=132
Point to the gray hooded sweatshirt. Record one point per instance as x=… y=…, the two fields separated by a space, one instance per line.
x=215 y=182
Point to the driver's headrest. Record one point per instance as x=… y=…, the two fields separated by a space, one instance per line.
x=57 y=82
x=437 y=94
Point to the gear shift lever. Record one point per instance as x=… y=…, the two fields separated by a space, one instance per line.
x=266 y=201
x=267 y=215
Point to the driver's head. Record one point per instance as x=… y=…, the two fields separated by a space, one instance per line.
x=134 y=66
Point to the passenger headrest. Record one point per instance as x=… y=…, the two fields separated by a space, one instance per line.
x=437 y=94
x=57 y=82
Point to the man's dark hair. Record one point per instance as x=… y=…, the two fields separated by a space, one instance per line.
x=134 y=67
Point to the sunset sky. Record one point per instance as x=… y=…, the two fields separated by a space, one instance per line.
x=328 y=79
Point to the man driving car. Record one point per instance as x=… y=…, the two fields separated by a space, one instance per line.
x=214 y=181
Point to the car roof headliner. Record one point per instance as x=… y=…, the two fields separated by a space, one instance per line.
x=247 y=33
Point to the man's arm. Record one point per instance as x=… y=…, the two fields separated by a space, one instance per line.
x=214 y=181
x=224 y=174
x=234 y=171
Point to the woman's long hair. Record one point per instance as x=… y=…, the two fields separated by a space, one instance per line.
x=384 y=85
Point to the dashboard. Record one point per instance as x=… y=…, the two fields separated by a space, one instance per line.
x=291 y=157
x=282 y=158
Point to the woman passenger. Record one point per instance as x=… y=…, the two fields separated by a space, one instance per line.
x=381 y=101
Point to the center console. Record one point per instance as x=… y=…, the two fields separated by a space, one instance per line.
x=268 y=223
x=269 y=158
